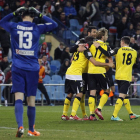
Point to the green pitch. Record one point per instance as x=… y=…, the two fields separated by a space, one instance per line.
x=51 y=127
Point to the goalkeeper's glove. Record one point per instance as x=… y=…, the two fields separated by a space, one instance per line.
x=20 y=11
x=35 y=12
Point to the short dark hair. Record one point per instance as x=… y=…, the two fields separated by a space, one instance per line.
x=126 y=39
x=101 y=32
x=89 y=38
x=90 y=28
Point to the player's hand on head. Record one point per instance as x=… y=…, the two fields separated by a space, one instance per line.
x=20 y=11
x=34 y=11
x=96 y=44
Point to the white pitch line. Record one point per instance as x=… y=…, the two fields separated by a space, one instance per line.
x=43 y=129
x=7 y=128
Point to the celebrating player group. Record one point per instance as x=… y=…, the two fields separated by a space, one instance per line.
x=88 y=70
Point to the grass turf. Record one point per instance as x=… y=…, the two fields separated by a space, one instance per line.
x=51 y=127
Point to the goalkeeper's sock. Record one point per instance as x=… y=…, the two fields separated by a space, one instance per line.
x=66 y=105
x=103 y=100
x=75 y=106
x=82 y=105
x=31 y=117
x=118 y=106
x=127 y=105
x=19 y=112
x=91 y=103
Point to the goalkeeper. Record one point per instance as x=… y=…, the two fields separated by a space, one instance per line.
x=25 y=69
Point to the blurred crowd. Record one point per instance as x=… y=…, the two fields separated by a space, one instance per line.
x=122 y=15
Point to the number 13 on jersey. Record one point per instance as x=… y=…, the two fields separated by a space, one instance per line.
x=28 y=39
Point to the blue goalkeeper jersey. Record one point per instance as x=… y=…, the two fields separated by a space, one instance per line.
x=25 y=40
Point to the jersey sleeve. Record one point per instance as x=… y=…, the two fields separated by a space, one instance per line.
x=5 y=22
x=88 y=54
x=47 y=26
x=73 y=49
x=109 y=52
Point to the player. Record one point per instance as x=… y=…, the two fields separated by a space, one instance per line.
x=97 y=75
x=125 y=59
x=92 y=30
x=123 y=75
x=73 y=82
x=25 y=69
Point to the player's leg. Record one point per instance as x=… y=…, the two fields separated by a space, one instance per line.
x=128 y=108
x=104 y=84
x=82 y=105
x=31 y=89
x=92 y=85
x=19 y=113
x=75 y=107
x=123 y=87
x=43 y=90
x=77 y=87
x=31 y=113
x=67 y=101
x=18 y=88
x=66 y=106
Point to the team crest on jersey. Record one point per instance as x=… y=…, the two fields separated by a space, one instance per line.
x=76 y=56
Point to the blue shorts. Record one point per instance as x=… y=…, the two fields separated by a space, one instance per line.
x=24 y=81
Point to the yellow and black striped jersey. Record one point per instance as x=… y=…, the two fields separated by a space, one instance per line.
x=78 y=66
x=98 y=56
x=125 y=59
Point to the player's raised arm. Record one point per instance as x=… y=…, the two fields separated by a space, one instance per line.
x=49 y=23
x=109 y=52
x=89 y=56
x=5 y=22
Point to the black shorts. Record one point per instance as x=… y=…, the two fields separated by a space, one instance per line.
x=85 y=81
x=123 y=86
x=95 y=79
x=73 y=86
x=111 y=81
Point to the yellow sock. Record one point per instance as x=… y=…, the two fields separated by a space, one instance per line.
x=127 y=105
x=91 y=103
x=75 y=106
x=82 y=105
x=103 y=101
x=118 y=106
x=66 y=106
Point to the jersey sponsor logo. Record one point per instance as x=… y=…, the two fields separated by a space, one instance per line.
x=24 y=52
x=24 y=28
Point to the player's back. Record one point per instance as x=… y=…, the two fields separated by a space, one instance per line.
x=98 y=56
x=125 y=59
x=25 y=42
x=78 y=65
